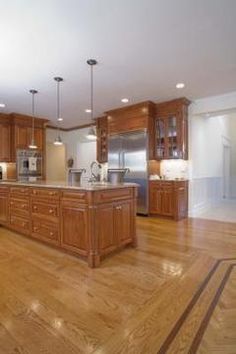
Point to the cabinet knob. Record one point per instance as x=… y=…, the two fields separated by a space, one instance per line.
x=35 y=208
x=50 y=211
x=23 y=206
x=34 y=192
x=51 y=233
x=118 y=207
x=23 y=224
x=51 y=193
x=35 y=228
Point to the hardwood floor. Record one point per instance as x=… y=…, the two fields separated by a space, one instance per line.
x=175 y=293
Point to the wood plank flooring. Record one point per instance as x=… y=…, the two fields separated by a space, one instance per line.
x=175 y=293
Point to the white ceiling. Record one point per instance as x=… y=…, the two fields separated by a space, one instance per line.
x=144 y=47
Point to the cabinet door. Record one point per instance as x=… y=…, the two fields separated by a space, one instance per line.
x=104 y=222
x=167 y=201
x=38 y=138
x=155 y=199
x=123 y=222
x=3 y=209
x=74 y=227
x=22 y=137
x=172 y=137
x=160 y=138
x=5 y=143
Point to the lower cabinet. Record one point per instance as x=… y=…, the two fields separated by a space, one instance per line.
x=114 y=225
x=169 y=198
x=3 y=205
x=74 y=227
x=46 y=231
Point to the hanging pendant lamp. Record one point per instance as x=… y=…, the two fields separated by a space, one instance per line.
x=58 y=139
x=32 y=144
x=92 y=132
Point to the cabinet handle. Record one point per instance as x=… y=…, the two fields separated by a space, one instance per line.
x=34 y=192
x=51 y=193
x=51 y=233
x=35 y=228
x=50 y=211
x=181 y=188
x=11 y=203
x=118 y=207
x=35 y=208
x=23 y=224
x=23 y=206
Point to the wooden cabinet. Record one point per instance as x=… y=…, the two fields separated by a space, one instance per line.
x=171 y=130
x=169 y=198
x=23 y=136
x=4 y=193
x=90 y=222
x=114 y=226
x=74 y=227
x=5 y=138
x=102 y=139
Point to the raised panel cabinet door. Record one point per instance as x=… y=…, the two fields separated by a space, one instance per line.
x=74 y=233
x=38 y=138
x=123 y=222
x=104 y=227
x=155 y=200
x=167 y=201
x=5 y=143
x=3 y=209
x=22 y=137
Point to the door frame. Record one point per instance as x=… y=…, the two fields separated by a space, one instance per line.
x=226 y=166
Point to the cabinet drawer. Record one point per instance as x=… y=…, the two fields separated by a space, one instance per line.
x=3 y=190
x=19 y=191
x=79 y=196
x=22 y=203
x=48 y=211
x=45 y=193
x=45 y=231
x=19 y=223
x=113 y=195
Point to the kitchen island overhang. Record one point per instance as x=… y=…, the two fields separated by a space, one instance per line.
x=91 y=221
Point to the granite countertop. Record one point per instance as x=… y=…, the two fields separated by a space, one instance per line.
x=94 y=186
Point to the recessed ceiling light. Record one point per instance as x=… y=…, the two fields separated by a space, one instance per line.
x=180 y=85
x=60 y=119
x=2 y=105
x=125 y=100
x=88 y=110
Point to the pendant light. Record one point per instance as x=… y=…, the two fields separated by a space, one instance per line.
x=58 y=139
x=32 y=144
x=91 y=133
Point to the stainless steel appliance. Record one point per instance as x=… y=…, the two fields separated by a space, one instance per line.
x=130 y=150
x=116 y=175
x=74 y=176
x=29 y=165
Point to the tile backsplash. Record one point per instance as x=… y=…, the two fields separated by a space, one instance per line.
x=172 y=169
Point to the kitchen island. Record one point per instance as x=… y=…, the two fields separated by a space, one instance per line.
x=91 y=220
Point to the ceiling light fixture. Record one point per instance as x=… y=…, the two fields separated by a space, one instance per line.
x=124 y=100
x=2 y=105
x=91 y=133
x=88 y=110
x=32 y=144
x=58 y=139
x=180 y=85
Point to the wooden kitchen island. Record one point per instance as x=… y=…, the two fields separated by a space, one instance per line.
x=90 y=221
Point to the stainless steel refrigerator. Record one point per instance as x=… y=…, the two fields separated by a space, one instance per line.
x=130 y=150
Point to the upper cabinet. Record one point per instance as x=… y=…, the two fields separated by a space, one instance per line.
x=102 y=139
x=5 y=138
x=16 y=133
x=171 y=130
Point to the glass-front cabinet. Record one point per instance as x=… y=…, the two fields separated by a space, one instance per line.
x=171 y=133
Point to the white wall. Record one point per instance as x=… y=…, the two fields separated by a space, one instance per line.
x=77 y=146
x=206 y=138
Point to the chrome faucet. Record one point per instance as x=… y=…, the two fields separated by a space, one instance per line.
x=95 y=177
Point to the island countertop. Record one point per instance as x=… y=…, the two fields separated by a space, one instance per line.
x=91 y=220
x=86 y=186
